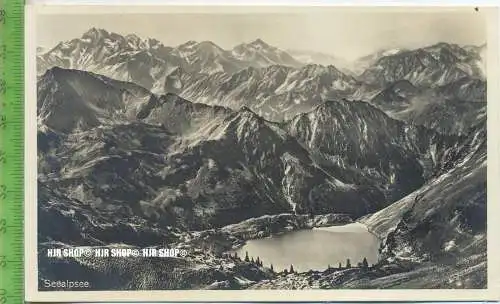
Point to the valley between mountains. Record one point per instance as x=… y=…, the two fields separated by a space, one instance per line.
x=202 y=148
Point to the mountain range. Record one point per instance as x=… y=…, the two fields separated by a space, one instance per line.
x=293 y=162
x=277 y=86
x=147 y=61
x=141 y=143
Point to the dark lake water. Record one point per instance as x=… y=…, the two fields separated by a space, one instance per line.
x=315 y=249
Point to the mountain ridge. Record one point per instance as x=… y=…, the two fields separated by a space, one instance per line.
x=200 y=126
x=280 y=87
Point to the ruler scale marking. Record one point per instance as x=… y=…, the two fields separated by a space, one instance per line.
x=12 y=150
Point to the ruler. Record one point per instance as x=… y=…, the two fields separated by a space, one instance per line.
x=11 y=151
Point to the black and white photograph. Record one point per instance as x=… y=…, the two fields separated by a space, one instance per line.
x=342 y=148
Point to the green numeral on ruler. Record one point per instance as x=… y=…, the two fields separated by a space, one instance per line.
x=11 y=150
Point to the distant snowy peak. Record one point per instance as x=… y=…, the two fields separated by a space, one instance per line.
x=207 y=48
x=102 y=52
x=311 y=57
x=129 y=42
x=259 y=43
x=390 y=52
x=451 y=50
x=186 y=45
x=263 y=54
x=207 y=57
x=361 y=64
x=95 y=34
x=118 y=56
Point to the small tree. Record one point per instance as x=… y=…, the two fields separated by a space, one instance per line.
x=340 y=265
x=247 y=259
x=329 y=267
x=253 y=262
x=348 y=263
x=285 y=272
x=272 y=268
x=365 y=263
x=257 y=261
x=291 y=269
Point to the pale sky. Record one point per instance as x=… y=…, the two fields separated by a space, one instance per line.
x=346 y=33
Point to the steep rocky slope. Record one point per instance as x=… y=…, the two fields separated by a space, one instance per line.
x=199 y=166
x=184 y=164
x=434 y=65
x=275 y=92
x=453 y=108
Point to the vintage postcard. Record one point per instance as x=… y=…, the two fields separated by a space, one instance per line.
x=261 y=153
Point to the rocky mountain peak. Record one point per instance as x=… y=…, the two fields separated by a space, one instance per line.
x=209 y=46
x=187 y=44
x=133 y=37
x=317 y=69
x=259 y=43
x=95 y=34
x=431 y=66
